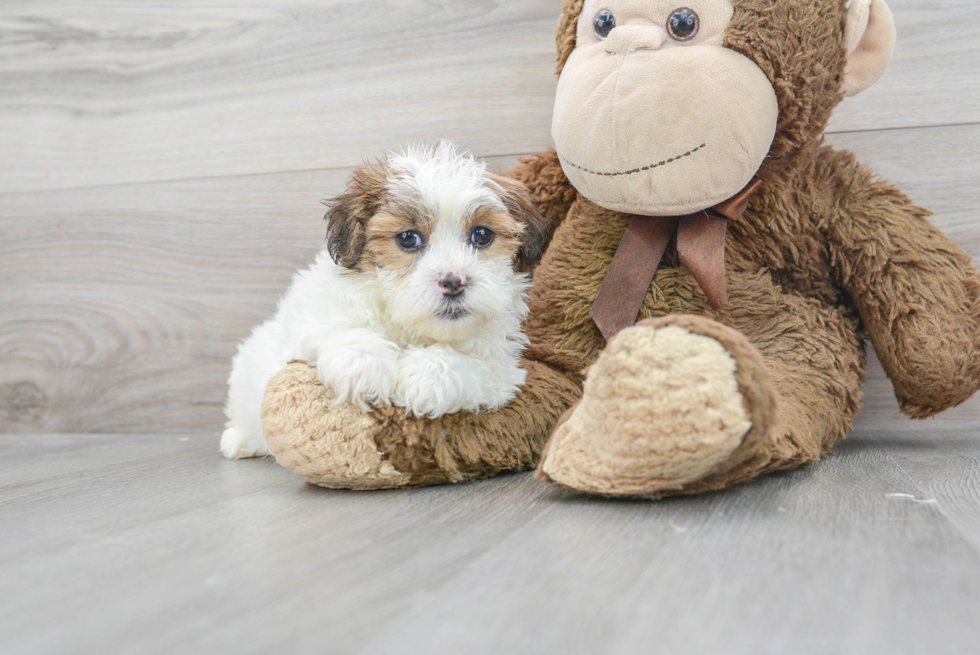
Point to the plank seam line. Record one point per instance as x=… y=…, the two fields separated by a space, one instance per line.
x=230 y=176
x=903 y=128
x=327 y=169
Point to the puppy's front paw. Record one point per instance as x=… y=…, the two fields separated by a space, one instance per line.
x=362 y=371
x=434 y=382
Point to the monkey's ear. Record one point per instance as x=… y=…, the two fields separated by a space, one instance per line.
x=869 y=36
x=349 y=213
x=517 y=200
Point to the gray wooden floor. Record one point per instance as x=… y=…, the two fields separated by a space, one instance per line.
x=152 y=544
x=161 y=167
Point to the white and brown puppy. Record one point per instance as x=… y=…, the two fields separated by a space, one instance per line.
x=417 y=300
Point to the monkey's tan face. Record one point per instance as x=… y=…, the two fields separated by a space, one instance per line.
x=654 y=116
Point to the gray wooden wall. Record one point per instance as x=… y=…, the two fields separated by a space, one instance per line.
x=161 y=167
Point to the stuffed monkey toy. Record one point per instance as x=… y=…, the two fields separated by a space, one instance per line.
x=699 y=315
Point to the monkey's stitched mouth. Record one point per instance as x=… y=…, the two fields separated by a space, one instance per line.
x=636 y=170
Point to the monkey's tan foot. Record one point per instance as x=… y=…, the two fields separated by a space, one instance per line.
x=332 y=445
x=670 y=403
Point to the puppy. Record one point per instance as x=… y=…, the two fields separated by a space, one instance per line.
x=417 y=300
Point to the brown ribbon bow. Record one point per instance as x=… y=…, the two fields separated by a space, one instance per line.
x=700 y=247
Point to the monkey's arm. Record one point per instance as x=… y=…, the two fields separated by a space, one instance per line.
x=340 y=446
x=915 y=290
x=551 y=191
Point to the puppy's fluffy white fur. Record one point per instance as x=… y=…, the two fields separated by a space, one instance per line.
x=379 y=327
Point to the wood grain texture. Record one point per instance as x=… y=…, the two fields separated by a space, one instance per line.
x=945 y=467
x=125 y=91
x=151 y=544
x=138 y=91
x=123 y=305
x=160 y=177
x=123 y=302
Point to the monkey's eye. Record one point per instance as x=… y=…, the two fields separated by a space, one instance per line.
x=683 y=24
x=481 y=237
x=604 y=23
x=410 y=240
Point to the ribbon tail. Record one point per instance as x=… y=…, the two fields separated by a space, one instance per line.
x=701 y=249
x=630 y=274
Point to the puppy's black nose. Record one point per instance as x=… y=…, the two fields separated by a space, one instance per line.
x=452 y=285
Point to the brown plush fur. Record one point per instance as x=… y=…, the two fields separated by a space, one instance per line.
x=406 y=451
x=825 y=256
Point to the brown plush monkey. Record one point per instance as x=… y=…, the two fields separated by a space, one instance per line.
x=748 y=353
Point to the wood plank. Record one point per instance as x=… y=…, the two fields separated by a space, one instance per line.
x=39 y=458
x=765 y=568
x=123 y=305
x=930 y=82
x=945 y=467
x=136 y=91
x=124 y=91
x=179 y=550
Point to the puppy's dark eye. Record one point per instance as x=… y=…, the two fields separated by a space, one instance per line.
x=410 y=240
x=683 y=24
x=604 y=23
x=481 y=237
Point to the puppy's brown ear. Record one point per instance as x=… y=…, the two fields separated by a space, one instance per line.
x=349 y=213
x=517 y=200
